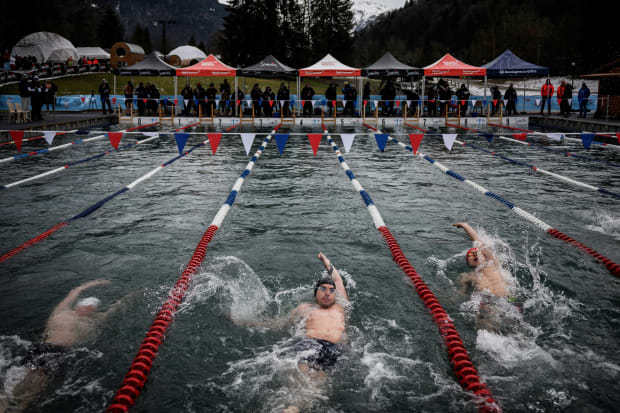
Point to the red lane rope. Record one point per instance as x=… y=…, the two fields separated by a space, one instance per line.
x=611 y=266
x=32 y=241
x=417 y=127
x=461 y=364
x=510 y=127
x=142 y=126
x=136 y=377
x=461 y=127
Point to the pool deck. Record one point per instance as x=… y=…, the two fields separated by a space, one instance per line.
x=574 y=122
x=59 y=121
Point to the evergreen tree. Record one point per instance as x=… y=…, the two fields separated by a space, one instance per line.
x=192 y=41
x=331 y=27
x=109 y=30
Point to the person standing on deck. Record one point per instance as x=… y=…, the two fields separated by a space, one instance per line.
x=584 y=95
x=560 y=95
x=511 y=96
x=104 y=93
x=307 y=93
x=546 y=92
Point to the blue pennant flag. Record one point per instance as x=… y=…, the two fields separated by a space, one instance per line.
x=227 y=102
x=587 y=139
x=196 y=102
x=281 y=139
x=181 y=139
x=381 y=140
x=260 y=101
x=293 y=103
x=166 y=102
x=489 y=136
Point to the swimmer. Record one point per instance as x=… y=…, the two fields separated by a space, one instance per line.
x=487 y=274
x=324 y=325
x=67 y=326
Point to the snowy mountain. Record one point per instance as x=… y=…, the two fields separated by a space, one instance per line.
x=365 y=11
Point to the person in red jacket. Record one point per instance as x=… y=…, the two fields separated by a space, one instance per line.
x=546 y=92
x=560 y=94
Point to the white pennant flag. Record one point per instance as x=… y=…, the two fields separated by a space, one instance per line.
x=505 y=102
x=537 y=102
x=186 y=101
x=49 y=137
x=249 y=102
x=448 y=140
x=555 y=136
x=570 y=102
x=347 y=141
x=248 y=139
x=217 y=102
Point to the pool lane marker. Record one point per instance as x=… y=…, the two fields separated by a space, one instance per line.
x=461 y=364
x=136 y=377
x=96 y=205
x=537 y=169
x=609 y=264
x=66 y=145
x=34 y=138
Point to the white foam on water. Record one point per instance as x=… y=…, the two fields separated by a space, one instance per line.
x=11 y=370
x=511 y=351
x=606 y=224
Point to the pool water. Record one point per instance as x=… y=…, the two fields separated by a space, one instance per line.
x=554 y=351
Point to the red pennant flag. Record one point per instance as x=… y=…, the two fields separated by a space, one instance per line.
x=334 y=103
x=214 y=140
x=415 y=139
x=432 y=100
x=115 y=138
x=271 y=103
x=559 y=101
x=365 y=102
x=398 y=103
x=520 y=136
x=315 y=139
x=462 y=103
x=83 y=99
x=176 y=102
x=17 y=136
x=494 y=101
x=144 y=100
x=114 y=101
x=238 y=101
x=618 y=136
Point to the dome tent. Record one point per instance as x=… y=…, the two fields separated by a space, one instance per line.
x=45 y=47
x=185 y=56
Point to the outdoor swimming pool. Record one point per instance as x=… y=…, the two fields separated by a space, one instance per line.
x=555 y=354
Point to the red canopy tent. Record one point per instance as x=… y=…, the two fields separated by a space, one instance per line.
x=448 y=65
x=211 y=66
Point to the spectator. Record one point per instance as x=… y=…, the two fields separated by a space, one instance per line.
x=331 y=95
x=200 y=95
x=350 y=96
x=104 y=93
x=462 y=94
x=240 y=99
x=560 y=96
x=366 y=95
x=496 y=97
x=50 y=95
x=37 y=92
x=307 y=93
x=511 y=97
x=128 y=93
x=223 y=106
x=153 y=102
x=268 y=98
x=568 y=98
x=211 y=95
x=24 y=92
x=284 y=98
x=141 y=94
x=584 y=95
x=433 y=96
x=188 y=99
x=445 y=94
x=546 y=92
x=256 y=95
x=388 y=94
x=413 y=99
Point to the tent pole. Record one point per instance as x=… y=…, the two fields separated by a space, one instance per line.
x=297 y=99
x=422 y=96
x=235 y=95
x=523 y=94
x=359 y=93
x=114 y=93
x=485 y=89
x=175 y=92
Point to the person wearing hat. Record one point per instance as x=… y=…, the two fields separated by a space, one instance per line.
x=104 y=92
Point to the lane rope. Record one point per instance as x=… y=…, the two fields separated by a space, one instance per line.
x=34 y=138
x=609 y=264
x=136 y=377
x=463 y=367
x=98 y=204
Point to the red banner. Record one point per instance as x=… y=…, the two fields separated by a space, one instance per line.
x=115 y=138
x=315 y=140
x=415 y=139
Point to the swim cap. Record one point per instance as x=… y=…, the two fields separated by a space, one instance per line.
x=321 y=281
x=85 y=302
x=468 y=251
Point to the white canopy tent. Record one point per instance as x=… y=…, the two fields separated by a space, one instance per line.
x=93 y=53
x=45 y=47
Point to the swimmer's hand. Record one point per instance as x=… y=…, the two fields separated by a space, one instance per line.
x=326 y=262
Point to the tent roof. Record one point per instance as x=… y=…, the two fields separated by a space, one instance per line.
x=188 y=53
x=269 y=66
x=451 y=66
x=329 y=66
x=151 y=65
x=93 y=52
x=45 y=46
x=211 y=66
x=388 y=65
x=509 y=65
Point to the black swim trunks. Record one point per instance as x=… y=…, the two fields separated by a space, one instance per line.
x=319 y=354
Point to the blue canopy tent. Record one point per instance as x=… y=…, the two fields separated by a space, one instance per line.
x=510 y=65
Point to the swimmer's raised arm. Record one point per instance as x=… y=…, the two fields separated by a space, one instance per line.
x=333 y=272
x=74 y=294
x=473 y=235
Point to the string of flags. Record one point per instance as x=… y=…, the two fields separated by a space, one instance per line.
x=314 y=139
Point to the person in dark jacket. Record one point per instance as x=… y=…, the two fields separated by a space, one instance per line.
x=462 y=94
x=153 y=103
x=104 y=93
x=388 y=94
x=284 y=97
x=50 y=95
x=350 y=96
x=433 y=97
x=24 y=92
x=546 y=92
x=307 y=93
x=128 y=93
x=568 y=99
x=366 y=96
x=188 y=99
x=200 y=94
x=583 y=96
x=445 y=94
x=331 y=95
x=256 y=95
x=496 y=95
x=268 y=99
x=211 y=95
x=37 y=96
x=240 y=99
x=511 y=96
x=141 y=94
x=413 y=99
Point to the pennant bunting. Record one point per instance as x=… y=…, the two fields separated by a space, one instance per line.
x=381 y=139
x=505 y=102
x=144 y=100
x=316 y=102
x=83 y=99
x=494 y=102
x=415 y=139
x=448 y=140
x=176 y=102
x=217 y=102
x=334 y=103
x=365 y=102
x=570 y=101
x=214 y=141
x=196 y=102
x=271 y=104
x=248 y=140
x=520 y=136
x=315 y=140
x=559 y=101
x=556 y=136
x=281 y=139
x=181 y=139
x=165 y=101
x=17 y=136
x=186 y=101
x=488 y=136
x=537 y=102
x=347 y=141
x=114 y=101
x=115 y=138
x=462 y=103
x=249 y=102
x=398 y=103
x=618 y=136
x=587 y=139
x=49 y=137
